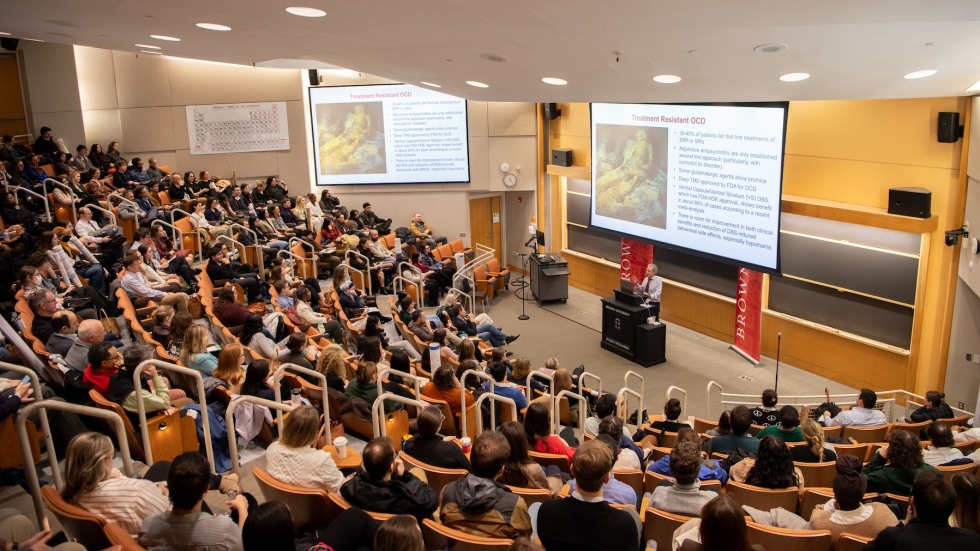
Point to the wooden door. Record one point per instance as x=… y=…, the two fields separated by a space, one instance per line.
x=485 y=224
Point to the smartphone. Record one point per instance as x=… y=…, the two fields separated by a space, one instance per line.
x=25 y=380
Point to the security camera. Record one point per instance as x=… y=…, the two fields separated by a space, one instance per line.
x=953 y=236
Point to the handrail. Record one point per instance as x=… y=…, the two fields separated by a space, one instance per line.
x=71 y=193
x=581 y=410
x=180 y=234
x=232 y=243
x=43 y=198
x=405 y=283
x=259 y=255
x=457 y=294
x=419 y=287
x=304 y=243
x=112 y=215
x=493 y=411
x=626 y=383
x=311 y=259
x=197 y=230
x=586 y=375
x=230 y=422
x=671 y=389
x=416 y=381
x=365 y=274
x=545 y=376
x=31 y=469
x=201 y=400
x=377 y=410
x=324 y=396
x=462 y=394
x=623 y=403
x=707 y=403
x=45 y=426
x=136 y=208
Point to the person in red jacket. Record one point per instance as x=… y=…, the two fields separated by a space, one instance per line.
x=103 y=362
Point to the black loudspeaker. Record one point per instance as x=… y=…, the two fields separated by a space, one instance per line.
x=910 y=201
x=948 y=130
x=9 y=44
x=314 y=77
x=551 y=111
x=561 y=157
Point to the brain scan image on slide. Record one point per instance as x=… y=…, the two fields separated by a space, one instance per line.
x=352 y=138
x=631 y=173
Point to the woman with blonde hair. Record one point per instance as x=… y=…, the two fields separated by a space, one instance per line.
x=194 y=353
x=296 y=458
x=814 y=450
x=300 y=211
x=520 y=372
x=230 y=370
x=331 y=365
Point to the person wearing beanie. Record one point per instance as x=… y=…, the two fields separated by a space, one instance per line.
x=846 y=513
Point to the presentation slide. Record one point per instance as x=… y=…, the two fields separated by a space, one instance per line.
x=702 y=177
x=389 y=134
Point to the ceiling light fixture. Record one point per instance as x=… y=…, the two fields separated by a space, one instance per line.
x=165 y=38
x=920 y=74
x=430 y=84
x=975 y=87
x=306 y=12
x=32 y=39
x=150 y=52
x=478 y=84
x=214 y=27
x=667 y=79
x=771 y=48
x=4 y=34
x=794 y=77
x=554 y=81
x=147 y=46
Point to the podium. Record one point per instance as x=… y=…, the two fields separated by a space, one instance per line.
x=549 y=278
x=626 y=332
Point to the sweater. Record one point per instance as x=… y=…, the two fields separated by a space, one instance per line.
x=883 y=477
x=306 y=466
x=792 y=435
x=681 y=499
x=865 y=521
x=570 y=525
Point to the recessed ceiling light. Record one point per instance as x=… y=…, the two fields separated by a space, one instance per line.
x=496 y=58
x=794 y=77
x=920 y=74
x=164 y=37
x=4 y=34
x=477 y=84
x=771 y=48
x=214 y=27
x=554 y=81
x=150 y=52
x=306 y=12
x=667 y=79
x=147 y=46
x=430 y=84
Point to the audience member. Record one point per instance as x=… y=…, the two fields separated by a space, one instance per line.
x=721 y=528
x=520 y=470
x=967 y=512
x=787 y=429
x=684 y=497
x=399 y=533
x=628 y=454
x=103 y=362
x=940 y=450
x=194 y=351
x=384 y=485
x=64 y=324
x=741 y=419
x=614 y=491
x=935 y=408
x=861 y=415
x=365 y=387
x=772 y=468
x=767 y=414
x=501 y=387
x=814 y=450
x=846 y=513
x=896 y=466
x=295 y=457
x=137 y=286
x=429 y=446
x=446 y=387
x=709 y=468
x=123 y=391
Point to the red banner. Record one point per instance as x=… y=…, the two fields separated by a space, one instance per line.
x=633 y=259
x=748 y=315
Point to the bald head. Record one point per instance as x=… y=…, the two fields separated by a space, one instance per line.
x=91 y=331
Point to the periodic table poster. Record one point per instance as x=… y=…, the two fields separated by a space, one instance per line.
x=237 y=128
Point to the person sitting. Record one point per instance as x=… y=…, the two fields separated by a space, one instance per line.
x=227 y=309
x=500 y=386
x=255 y=336
x=220 y=269
x=296 y=348
x=684 y=497
x=721 y=528
x=423 y=233
x=477 y=503
x=895 y=466
x=466 y=323
x=605 y=405
x=186 y=526
x=788 y=429
x=103 y=362
x=614 y=491
x=64 y=324
x=846 y=513
x=537 y=426
x=92 y=232
x=773 y=468
x=326 y=324
x=384 y=485
x=429 y=447
x=122 y=391
x=371 y=220
x=194 y=353
x=137 y=286
x=446 y=387
x=814 y=450
x=710 y=470
x=90 y=333
x=927 y=523
x=940 y=450
x=671 y=421
x=935 y=408
x=167 y=283
x=967 y=513
x=861 y=415
x=767 y=414
x=365 y=387
x=741 y=419
x=520 y=470
x=628 y=454
x=296 y=458
x=570 y=524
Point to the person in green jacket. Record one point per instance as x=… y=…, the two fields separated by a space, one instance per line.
x=365 y=387
x=788 y=428
x=895 y=466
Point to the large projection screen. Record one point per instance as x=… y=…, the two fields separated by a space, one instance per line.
x=705 y=178
x=388 y=134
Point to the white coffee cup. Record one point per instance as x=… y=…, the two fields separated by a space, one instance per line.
x=341 y=444
x=296 y=397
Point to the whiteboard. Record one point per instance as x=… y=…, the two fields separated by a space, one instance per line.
x=237 y=128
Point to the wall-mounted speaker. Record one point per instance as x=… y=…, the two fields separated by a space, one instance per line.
x=9 y=44
x=949 y=130
x=551 y=111
x=910 y=201
x=561 y=157
x=314 y=77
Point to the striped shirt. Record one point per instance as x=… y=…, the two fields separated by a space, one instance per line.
x=190 y=532
x=125 y=501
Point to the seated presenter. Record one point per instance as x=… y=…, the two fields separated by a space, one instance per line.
x=650 y=289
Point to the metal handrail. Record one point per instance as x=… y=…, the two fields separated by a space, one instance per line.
x=179 y=233
x=457 y=294
x=671 y=389
x=259 y=256
x=707 y=403
x=405 y=283
x=365 y=274
x=45 y=427
x=136 y=208
x=642 y=393
x=197 y=230
x=324 y=396
x=462 y=394
x=71 y=193
x=30 y=468
x=624 y=404
x=230 y=422
x=43 y=198
x=377 y=410
x=586 y=375
x=493 y=411
x=232 y=243
x=419 y=287
x=201 y=401
x=416 y=381
x=108 y=212
x=581 y=410
x=540 y=375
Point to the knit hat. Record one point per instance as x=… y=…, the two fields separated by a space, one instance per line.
x=849 y=483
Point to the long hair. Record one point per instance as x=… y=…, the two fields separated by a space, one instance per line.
x=967 y=512
x=253 y=324
x=84 y=464
x=723 y=526
x=773 y=467
x=195 y=342
x=255 y=377
x=399 y=533
x=467 y=350
x=269 y=526
x=513 y=472
x=813 y=434
x=300 y=428
x=537 y=422
x=522 y=368
x=331 y=360
x=228 y=369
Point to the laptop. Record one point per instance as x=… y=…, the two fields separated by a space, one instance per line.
x=625 y=285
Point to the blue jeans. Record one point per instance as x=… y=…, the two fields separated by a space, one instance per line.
x=490 y=333
x=96 y=278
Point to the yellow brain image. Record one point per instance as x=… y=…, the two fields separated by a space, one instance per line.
x=631 y=177
x=351 y=138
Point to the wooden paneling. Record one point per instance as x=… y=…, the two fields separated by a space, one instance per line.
x=12 y=118
x=857 y=214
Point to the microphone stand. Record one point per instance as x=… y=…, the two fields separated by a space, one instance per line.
x=524 y=288
x=779 y=341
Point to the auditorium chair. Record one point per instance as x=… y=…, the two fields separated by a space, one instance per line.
x=950 y=470
x=764 y=498
x=531 y=495
x=771 y=537
x=659 y=526
x=440 y=536
x=170 y=435
x=545 y=459
x=816 y=497
x=118 y=536
x=12 y=456
x=502 y=275
x=703 y=425
x=311 y=508
x=436 y=477
x=80 y=525
x=914 y=428
x=851 y=542
x=457 y=246
x=958 y=420
x=866 y=435
x=817 y=475
x=632 y=478
x=859 y=451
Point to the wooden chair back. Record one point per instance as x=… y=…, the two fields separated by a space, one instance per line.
x=764 y=498
x=958 y=420
x=445 y=252
x=78 y=524
x=12 y=455
x=914 y=428
x=632 y=478
x=866 y=435
x=532 y=495
x=660 y=525
x=857 y=450
x=545 y=459
x=704 y=425
x=813 y=498
x=440 y=536
x=135 y=443
x=189 y=236
x=311 y=508
x=950 y=471
x=901 y=501
x=448 y=423
x=436 y=477
x=818 y=475
x=851 y=542
x=771 y=537
x=164 y=197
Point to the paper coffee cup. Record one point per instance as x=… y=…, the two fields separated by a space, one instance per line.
x=341 y=444
x=466 y=444
x=296 y=397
